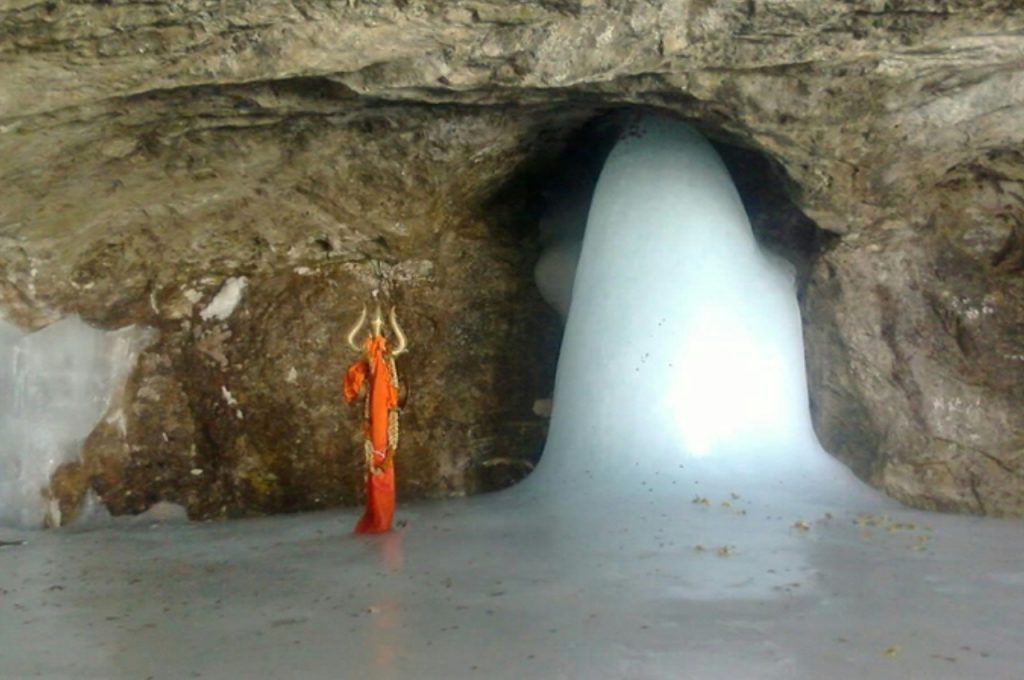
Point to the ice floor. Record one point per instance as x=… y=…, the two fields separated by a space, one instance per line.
x=666 y=583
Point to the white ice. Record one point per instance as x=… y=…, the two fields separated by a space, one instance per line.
x=55 y=384
x=683 y=348
x=561 y=231
x=555 y=273
x=224 y=303
x=660 y=537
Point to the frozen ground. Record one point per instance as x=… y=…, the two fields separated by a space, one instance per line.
x=501 y=587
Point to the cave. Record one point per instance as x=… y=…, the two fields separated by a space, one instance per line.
x=559 y=157
x=199 y=203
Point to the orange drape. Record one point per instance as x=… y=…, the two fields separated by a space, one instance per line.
x=382 y=398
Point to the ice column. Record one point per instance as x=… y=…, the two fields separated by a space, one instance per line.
x=55 y=384
x=683 y=347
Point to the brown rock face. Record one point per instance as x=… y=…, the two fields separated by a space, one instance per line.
x=151 y=152
x=244 y=414
x=916 y=338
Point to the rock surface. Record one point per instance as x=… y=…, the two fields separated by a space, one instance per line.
x=917 y=339
x=150 y=152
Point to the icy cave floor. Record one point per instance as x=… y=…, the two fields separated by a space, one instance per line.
x=661 y=583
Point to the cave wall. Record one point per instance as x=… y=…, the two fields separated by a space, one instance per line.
x=151 y=151
x=243 y=414
x=916 y=335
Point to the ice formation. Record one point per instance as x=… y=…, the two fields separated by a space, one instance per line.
x=683 y=347
x=226 y=300
x=555 y=272
x=55 y=384
x=561 y=236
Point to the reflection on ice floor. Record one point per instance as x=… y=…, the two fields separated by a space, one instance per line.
x=653 y=585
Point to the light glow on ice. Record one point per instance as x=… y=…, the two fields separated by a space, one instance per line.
x=55 y=385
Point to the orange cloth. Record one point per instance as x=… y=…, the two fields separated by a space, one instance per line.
x=382 y=398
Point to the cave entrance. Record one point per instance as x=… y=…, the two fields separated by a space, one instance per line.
x=734 y=334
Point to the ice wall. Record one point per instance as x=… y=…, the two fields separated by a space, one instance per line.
x=682 y=353
x=55 y=384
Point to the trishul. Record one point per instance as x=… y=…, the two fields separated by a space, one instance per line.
x=375 y=326
x=375 y=371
